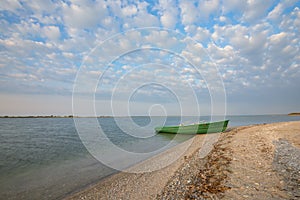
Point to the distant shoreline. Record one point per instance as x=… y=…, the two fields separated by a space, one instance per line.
x=294 y=114
x=54 y=116
x=106 y=116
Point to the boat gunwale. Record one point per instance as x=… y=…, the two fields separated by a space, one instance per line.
x=178 y=126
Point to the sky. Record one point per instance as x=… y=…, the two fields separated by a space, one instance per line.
x=87 y=57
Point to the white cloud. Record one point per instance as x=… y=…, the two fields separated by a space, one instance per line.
x=234 y=6
x=68 y=55
x=129 y=10
x=281 y=51
x=23 y=48
x=67 y=71
x=40 y=6
x=254 y=51
x=11 y=5
x=198 y=33
x=277 y=12
x=83 y=14
x=139 y=20
x=297 y=18
x=168 y=20
x=163 y=39
x=278 y=38
x=256 y=10
x=249 y=41
x=126 y=67
x=52 y=32
x=207 y=8
x=223 y=56
x=202 y=34
x=132 y=15
x=290 y=22
x=27 y=28
x=194 y=53
x=169 y=13
x=223 y=19
x=24 y=77
x=189 y=13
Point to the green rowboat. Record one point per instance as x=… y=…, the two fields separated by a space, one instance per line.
x=200 y=128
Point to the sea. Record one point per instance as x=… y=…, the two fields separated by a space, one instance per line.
x=46 y=158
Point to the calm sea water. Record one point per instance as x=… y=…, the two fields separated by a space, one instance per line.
x=44 y=158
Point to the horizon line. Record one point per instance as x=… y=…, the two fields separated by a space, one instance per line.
x=111 y=116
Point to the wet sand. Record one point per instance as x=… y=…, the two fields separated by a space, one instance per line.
x=249 y=162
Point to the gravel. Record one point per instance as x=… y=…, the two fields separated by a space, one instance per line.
x=201 y=178
x=287 y=163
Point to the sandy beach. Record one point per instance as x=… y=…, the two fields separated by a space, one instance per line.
x=249 y=162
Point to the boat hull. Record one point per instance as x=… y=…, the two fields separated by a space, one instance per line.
x=203 y=128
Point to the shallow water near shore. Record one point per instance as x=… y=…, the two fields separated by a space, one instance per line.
x=45 y=158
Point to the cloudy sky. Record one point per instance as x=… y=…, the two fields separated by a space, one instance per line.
x=149 y=57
